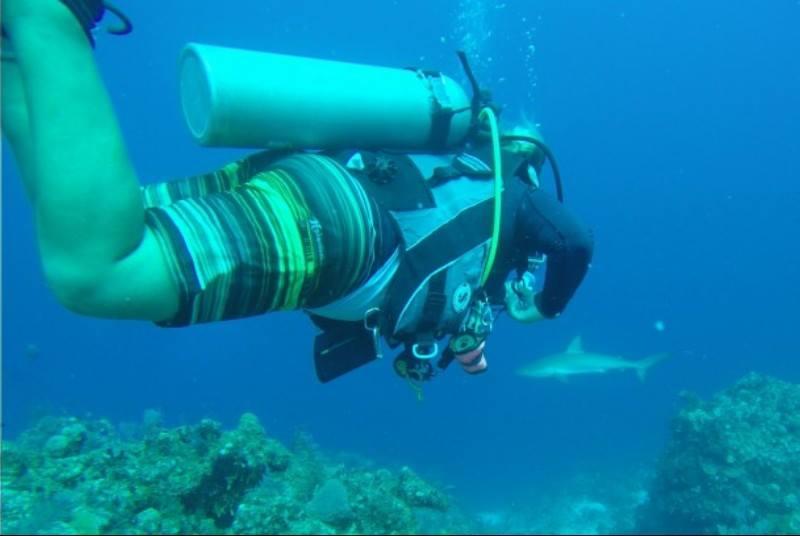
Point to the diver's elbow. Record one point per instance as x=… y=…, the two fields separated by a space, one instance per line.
x=578 y=248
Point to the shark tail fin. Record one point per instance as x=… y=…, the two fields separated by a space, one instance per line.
x=644 y=365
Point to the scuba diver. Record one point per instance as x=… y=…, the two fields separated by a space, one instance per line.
x=396 y=223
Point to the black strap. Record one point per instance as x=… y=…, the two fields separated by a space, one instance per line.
x=470 y=169
x=434 y=305
x=458 y=167
x=512 y=162
x=89 y=12
x=447 y=357
x=441 y=121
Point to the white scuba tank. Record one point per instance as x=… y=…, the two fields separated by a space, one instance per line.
x=240 y=98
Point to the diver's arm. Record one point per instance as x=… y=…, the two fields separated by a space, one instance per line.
x=544 y=225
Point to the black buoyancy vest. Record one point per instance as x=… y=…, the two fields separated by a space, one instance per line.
x=442 y=208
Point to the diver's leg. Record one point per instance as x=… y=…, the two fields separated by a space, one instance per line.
x=85 y=194
x=16 y=127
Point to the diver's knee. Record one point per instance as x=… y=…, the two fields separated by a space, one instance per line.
x=73 y=285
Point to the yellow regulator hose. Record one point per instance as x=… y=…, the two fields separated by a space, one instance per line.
x=497 y=165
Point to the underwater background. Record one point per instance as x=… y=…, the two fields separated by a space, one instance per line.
x=676 y=127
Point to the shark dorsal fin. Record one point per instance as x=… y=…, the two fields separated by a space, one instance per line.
x=576 y=346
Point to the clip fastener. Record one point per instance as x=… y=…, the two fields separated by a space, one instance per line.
x=418 y=350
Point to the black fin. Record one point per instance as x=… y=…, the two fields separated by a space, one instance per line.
x=338 y=354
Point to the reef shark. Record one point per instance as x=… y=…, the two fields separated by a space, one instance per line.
x=577 y=361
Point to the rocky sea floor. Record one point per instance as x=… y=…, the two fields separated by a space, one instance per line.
x=732 y=465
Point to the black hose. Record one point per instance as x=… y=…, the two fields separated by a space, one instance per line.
x=126 y=26
x=476 y=89
x=547 y=153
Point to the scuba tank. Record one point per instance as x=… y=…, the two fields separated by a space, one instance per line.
x=240 y=98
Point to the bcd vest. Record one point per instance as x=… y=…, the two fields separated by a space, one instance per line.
x=442 y=207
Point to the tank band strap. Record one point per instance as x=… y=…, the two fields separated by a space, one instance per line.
x=440 y=127
x=441 y=113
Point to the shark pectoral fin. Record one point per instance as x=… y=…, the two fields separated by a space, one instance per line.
x=644 y=365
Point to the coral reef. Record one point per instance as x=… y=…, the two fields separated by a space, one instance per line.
x=71 y=476
x=732 y=464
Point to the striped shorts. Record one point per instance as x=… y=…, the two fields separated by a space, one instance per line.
x=264 y=235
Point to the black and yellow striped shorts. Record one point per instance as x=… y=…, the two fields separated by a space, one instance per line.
x=261 y=235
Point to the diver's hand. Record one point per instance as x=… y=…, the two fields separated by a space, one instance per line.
x=521 y=301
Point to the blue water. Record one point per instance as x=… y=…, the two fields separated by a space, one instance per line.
x=676 y=126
